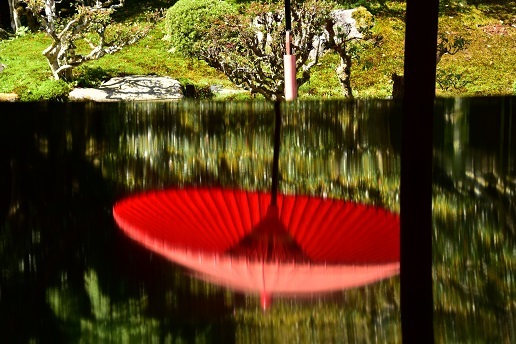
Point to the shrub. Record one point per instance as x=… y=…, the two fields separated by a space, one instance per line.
x=450 y=79
x=188 y=20
x=194 y=90
x=92 y=76
x=53 y=90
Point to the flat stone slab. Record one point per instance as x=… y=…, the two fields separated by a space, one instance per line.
x=130 y=88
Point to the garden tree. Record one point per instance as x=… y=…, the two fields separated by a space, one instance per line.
x=83 y=35
x=248 y=47
x=449 y=44
x=345 y=44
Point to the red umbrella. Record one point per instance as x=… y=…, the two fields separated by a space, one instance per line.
x=265 y=242
x=242 y=240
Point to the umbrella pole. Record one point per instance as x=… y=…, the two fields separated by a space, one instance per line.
x=275 y=159
x=289 y=63
x=289 y=60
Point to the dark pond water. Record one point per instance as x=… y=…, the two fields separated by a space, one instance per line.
x=68 y=274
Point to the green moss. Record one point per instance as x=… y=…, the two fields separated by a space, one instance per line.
x=24 y=62
x=487 y=61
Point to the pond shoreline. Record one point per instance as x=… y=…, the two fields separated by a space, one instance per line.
x=132 y=88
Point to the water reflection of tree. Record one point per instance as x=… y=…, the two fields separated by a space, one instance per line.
x=475 y=221
x=58 y=240
x=343 y=150
x=328 y=149
x=46 y=194
x=69 y=272
x=63 y=260
x=231 y=145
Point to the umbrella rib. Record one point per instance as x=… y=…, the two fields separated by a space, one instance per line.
x=182 y=206
x=294 y=218
x=202 y=224
x=307 y=212
x=351 y=233
x=339 y=210
x=244 y=211
x=339 y=222
x=319 y=215
x=230 y=219
x=216 y=213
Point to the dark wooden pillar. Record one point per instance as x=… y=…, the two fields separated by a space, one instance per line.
x=416 y=171
x=5 y=15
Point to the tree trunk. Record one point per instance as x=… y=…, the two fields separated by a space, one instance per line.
x=344 y=74
x=51 y=55
x=15 y=19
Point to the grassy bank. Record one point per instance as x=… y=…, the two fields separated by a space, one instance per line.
x=484 y=67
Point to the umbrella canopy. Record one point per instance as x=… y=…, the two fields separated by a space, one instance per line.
x=239 y=239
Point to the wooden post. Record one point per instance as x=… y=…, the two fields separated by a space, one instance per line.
x=416 y=171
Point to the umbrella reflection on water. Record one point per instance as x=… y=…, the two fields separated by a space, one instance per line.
x=265 y=243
